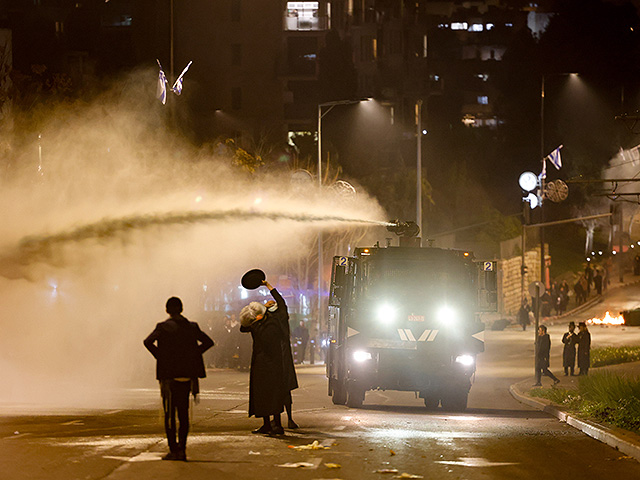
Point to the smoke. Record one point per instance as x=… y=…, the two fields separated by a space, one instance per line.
x=108 y=214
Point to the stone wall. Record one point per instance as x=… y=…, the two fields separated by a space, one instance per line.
x=510 y=280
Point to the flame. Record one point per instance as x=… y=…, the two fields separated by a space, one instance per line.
x=607 y=320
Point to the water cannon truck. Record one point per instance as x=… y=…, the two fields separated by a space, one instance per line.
x=407 y=318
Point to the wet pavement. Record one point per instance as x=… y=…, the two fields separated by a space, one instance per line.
x=498 y=437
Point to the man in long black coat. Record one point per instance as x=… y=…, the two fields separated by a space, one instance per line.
x=543 y=349
x=267 y=390
x=569 y=339
x=584 y=349
x=278 y=310
x=177 y=344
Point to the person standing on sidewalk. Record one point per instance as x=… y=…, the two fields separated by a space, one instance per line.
x=584 y=349
x=177 y=344
x=543 y=349
x=569 y=339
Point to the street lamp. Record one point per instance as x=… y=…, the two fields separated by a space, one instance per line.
x=329 y=106
x=543 y=269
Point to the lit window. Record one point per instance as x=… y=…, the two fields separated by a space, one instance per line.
x=508 y=24
x=459 y=26
x=476 y=27
x=489 y=26
x=483 y=100
x=302 y=16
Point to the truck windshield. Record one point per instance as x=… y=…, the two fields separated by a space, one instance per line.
x=419 y=282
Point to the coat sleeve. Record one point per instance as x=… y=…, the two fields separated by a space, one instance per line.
x=150 y=341
x=279 y=300
x=205 y=340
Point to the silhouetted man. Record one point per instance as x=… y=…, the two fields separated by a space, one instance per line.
x=543 y=349
x=584 y=349
x=569 y=339
x=177 y=344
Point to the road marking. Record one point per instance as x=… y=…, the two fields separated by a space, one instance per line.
x=403 y=336
x=475 y=462
x=73 y=422
x=432 y=337
x=340 y=427
x=143 y=457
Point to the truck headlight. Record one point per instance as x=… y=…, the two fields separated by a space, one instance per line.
x=386 y=313
x=447 y=315
x=465 y=360
x=361 y=356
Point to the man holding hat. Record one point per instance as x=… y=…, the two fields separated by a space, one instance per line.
x=267 y=392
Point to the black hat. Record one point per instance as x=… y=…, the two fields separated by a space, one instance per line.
x=253 y=279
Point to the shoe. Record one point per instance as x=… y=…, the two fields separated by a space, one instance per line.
x=278 y=430
x=170 y=456
x=181 y=455
x=263 y=429
x=292 y=425
x=556 y=381
x=537 y=385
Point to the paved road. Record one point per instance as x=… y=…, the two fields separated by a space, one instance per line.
x=496 y=438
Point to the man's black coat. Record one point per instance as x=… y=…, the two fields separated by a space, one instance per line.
x=179 y=349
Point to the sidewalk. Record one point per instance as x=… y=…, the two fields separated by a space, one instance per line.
x=622 y=440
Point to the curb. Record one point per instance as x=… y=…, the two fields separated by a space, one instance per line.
x=627 y=443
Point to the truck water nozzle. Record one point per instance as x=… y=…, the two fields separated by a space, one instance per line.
x=404 y=229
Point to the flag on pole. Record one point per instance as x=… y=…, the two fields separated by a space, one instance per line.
x=554 y=157
x=177 y=86
x=161 y=90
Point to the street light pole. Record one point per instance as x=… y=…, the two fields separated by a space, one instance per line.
x=542 y=262
x=321 y=115
x=419 y=165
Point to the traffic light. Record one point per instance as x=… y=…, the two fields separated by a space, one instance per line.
x=523 y=270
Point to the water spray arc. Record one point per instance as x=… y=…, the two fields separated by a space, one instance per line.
x=35 y=246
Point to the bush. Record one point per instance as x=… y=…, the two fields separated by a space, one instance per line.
x=603 y=397
x=614 y=355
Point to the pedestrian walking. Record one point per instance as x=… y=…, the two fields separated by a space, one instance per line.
x=178 y=345
x=543 y=350
x=597 y=282
x=580 y=291
x=301 y=337
x=267 y=390
x=588 y=275
x=277 y=308
x=569 y=339
x=523 y=314
x=584 y=349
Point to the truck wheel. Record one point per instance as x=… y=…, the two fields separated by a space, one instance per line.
x=431 y=402
x=455 y=400
x=355 y=396
x=339 y=395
